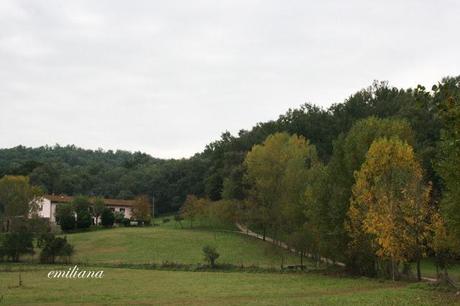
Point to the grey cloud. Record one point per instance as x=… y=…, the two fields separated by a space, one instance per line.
x=167 y=77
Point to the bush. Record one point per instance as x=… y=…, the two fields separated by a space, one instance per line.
x=84 y=219
x=53 y=247
x=67 y=223
x=107 y=217
x=166 y=220
x=210 y=255
x=119 y=216
x=16 y=244
x=38 y=225
x=178 y=218
x=126 y=222
x=65 y=216
x=82 y=208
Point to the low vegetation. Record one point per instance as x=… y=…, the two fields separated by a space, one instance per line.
x=210 y=255
x=210 y=288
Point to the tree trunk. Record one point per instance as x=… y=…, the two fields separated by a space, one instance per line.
x=446 y=276
x=437 y=271
x=265 y=230
x=301 y=260
x=419 y=272
x=393 y=268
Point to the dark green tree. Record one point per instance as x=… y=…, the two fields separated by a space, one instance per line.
x=210 y=255
x=54 y=247
x=82 y=207
x=16 y=244
x=65 y=216
x=107 y=217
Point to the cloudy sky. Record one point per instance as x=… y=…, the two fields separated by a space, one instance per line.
x=168 y=77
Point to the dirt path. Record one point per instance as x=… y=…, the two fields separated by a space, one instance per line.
x=244 y=230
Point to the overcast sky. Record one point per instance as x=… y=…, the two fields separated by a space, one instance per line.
x=168 y=77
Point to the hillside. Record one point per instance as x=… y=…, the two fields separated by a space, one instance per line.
x=170 y=243
x=104 y=249
x=217 y=172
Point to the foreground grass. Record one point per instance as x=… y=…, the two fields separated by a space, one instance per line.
x=130 y=286
x=167 y=243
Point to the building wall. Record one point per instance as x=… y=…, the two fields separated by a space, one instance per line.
x=44 y=209
x=47 y=209
x=53 y=212
x=127 y=210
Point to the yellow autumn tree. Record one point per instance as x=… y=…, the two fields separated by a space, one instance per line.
x=141 y=210
x=389 y=212
x=444 y=244
x=18 y=199
x=193 y=208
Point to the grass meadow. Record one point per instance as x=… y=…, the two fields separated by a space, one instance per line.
x=150 y=287
x=140 y=245
x=105 y=249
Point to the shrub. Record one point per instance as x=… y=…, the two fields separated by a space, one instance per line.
x=38 y=225
x=210 y=255
x=53 y=247
x=126 y=222
x=84 y=219
x=107 y=217
x=65 y=216
x=178 y=218
x=82 y=208
x=166 y=220
x=16 y=244
x=119 y=216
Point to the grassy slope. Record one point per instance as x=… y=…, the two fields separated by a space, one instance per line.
x=168 y=243
x=157 y=244
x=125 y=286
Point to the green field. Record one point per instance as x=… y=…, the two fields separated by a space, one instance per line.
x=104 y=249
x=130 y=286
x=168 y=243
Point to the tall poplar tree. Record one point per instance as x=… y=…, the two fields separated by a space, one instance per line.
x=389 y=210
x=276 y=174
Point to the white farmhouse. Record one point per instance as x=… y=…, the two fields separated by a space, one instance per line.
x=48 y=203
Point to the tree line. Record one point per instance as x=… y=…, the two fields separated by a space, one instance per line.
x=329 y=184
x=380 y=196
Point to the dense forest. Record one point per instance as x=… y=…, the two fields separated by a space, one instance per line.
x=217 y=172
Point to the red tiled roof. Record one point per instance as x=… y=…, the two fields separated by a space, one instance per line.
x=67 y=199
